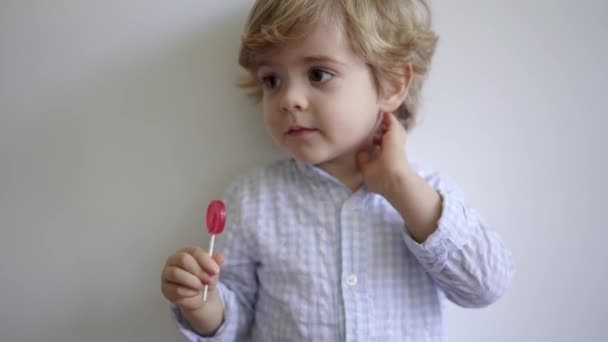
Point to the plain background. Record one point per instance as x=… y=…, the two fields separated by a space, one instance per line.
x=119 y=122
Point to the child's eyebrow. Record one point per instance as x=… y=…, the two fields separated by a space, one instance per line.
x=322 y=59
x=306 y=60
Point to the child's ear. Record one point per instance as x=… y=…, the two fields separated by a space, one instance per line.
x=393 y=94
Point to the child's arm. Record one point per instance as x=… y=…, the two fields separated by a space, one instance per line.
x=417 y=201
x=467 y=260
x=235 y=293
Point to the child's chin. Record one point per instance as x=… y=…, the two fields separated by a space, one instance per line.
x=308 y=159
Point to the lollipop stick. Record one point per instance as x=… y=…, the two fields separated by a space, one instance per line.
x=211 y=245
x=211 y=254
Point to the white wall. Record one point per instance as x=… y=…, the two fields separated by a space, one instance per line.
x=119 y=122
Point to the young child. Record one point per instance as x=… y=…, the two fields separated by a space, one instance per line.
x=346 y=240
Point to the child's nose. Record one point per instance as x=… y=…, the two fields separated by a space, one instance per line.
x=293 y=98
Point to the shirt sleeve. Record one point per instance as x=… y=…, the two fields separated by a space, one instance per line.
x=237 y=285
x=467 y=260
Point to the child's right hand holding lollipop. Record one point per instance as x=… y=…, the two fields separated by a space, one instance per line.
x=191 y=269
x=185 y=274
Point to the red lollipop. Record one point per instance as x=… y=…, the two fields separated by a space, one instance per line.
x=216 y=219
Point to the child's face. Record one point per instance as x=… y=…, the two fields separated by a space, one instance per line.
x=320 y=100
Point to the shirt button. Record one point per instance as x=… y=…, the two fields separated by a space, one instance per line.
x=351 y=280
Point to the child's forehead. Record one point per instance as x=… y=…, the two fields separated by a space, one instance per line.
x=322 y=42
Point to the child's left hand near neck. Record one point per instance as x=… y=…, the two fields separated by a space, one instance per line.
x=386 y=171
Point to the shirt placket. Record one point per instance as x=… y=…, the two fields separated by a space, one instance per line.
x=353 y=279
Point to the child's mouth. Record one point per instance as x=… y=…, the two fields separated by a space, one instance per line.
x=300 y=131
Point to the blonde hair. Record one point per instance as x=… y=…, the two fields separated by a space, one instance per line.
x=386 y=34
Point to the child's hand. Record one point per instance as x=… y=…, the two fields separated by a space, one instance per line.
x=387 y=159
x=185 y=274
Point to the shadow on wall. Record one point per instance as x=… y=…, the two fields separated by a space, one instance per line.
x=146 y=129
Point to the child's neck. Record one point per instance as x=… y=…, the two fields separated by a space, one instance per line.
x=346 y=170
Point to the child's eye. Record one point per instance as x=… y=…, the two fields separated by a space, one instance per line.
x=271 y=81
x=319 y=75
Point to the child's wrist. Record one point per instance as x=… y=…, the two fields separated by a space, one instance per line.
x=397 y=182
x=207 y=319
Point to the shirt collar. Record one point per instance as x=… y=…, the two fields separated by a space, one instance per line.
x=324 y=179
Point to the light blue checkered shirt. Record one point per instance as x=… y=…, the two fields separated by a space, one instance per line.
x=309 y=260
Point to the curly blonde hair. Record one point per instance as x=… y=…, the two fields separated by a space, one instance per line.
x=386 y=34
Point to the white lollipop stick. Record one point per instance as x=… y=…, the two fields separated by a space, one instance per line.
x=210 y=253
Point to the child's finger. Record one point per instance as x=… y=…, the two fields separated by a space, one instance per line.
x=386 y=119
x=219 y=258
x=394 y=130
x=176 y=275
x=209 y=279
x=177 y=258
x=174 y=291
x=205 y=261
x=190 y=303
x=188 y=263
x=390 y=120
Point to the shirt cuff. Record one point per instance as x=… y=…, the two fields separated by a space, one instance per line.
x=453 y=230
x=185 y=328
